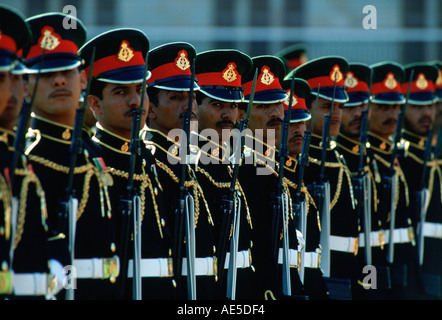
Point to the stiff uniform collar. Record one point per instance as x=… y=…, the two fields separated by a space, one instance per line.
x=379 y=144
x=52 y=130
x=111 y=140
x=347 y=144
x=416 y=141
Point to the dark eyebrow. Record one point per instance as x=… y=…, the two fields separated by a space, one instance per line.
x=119 y=87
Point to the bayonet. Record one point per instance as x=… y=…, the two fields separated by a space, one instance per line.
x=391 y=179
x=232 y=206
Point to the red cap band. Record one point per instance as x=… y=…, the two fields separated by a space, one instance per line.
x=51 y=42
x=113 y=62
x=420 y=84
x=266 y=81
x=7 y=43
x=228 y=77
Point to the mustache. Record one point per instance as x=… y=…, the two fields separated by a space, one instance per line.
x=390 y=121
x=274 y=121
x=295 y=137
x=131 y=111
x=222 y=122
x=355 y=121
x=58 y=91
x=425 y=118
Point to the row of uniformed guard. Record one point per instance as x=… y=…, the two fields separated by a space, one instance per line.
x=91 y=210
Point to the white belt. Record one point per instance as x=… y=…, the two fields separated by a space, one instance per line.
x=433 y=230
x=343 y=244
x=203 y=266
x=401 y=235
x=377 y=239
x=162 y=267
x=33 y=284
x=294 y=257
x=311 y=260
x=243 y=259
x=152 y=267
x=97 y=268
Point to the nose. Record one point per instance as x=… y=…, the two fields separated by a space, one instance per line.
x=276 y=110
x=134 y=99
x=185 y=103
x=226 y=113
x=59 y=79
x=357 y=111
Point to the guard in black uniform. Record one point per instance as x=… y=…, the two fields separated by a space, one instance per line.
x=310 y=272
x=219 y=73
x=169 y=90
x=85 y=259
x=424 y=183
x=118 y=74
x=401 y=250
x=24 y=270
x=259 y=178
x=338 y=219
x=349 y=144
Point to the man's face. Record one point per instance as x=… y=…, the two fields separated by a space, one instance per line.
x=9 y=118
x=166 y=115
x=115 y=111
x=217 y=115
x=351 y=120
x=296 y=137
x=419 y=119
x=268 y=117
x=322 y=109
x=57 y=94
x=5 y=90
x=382 y=119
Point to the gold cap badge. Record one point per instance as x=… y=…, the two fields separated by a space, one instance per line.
x=351 y=81
x=126 y=53
x=336 y=74
x=230 y=74
x=49 y=40
x=266 y=76
x=390 y=82
x=294 y=100
x=421 y=82
x=439 y=78
x=182 y=62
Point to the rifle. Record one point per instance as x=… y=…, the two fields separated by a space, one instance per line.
x=322 y=191
x=390 y=180
x=131 y=205
x=361 y=183
x=184 y=214
x=299 y=209
x=69 y=206
x=280 y=206
x=422 y=193
x=231 y=207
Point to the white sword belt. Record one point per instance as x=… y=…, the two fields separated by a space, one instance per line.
x=97 y=268
x=33 y=284
x=311 y=259
x=432 y=230
x=207 y=266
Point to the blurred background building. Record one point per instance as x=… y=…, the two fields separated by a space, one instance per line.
x=406 y=30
